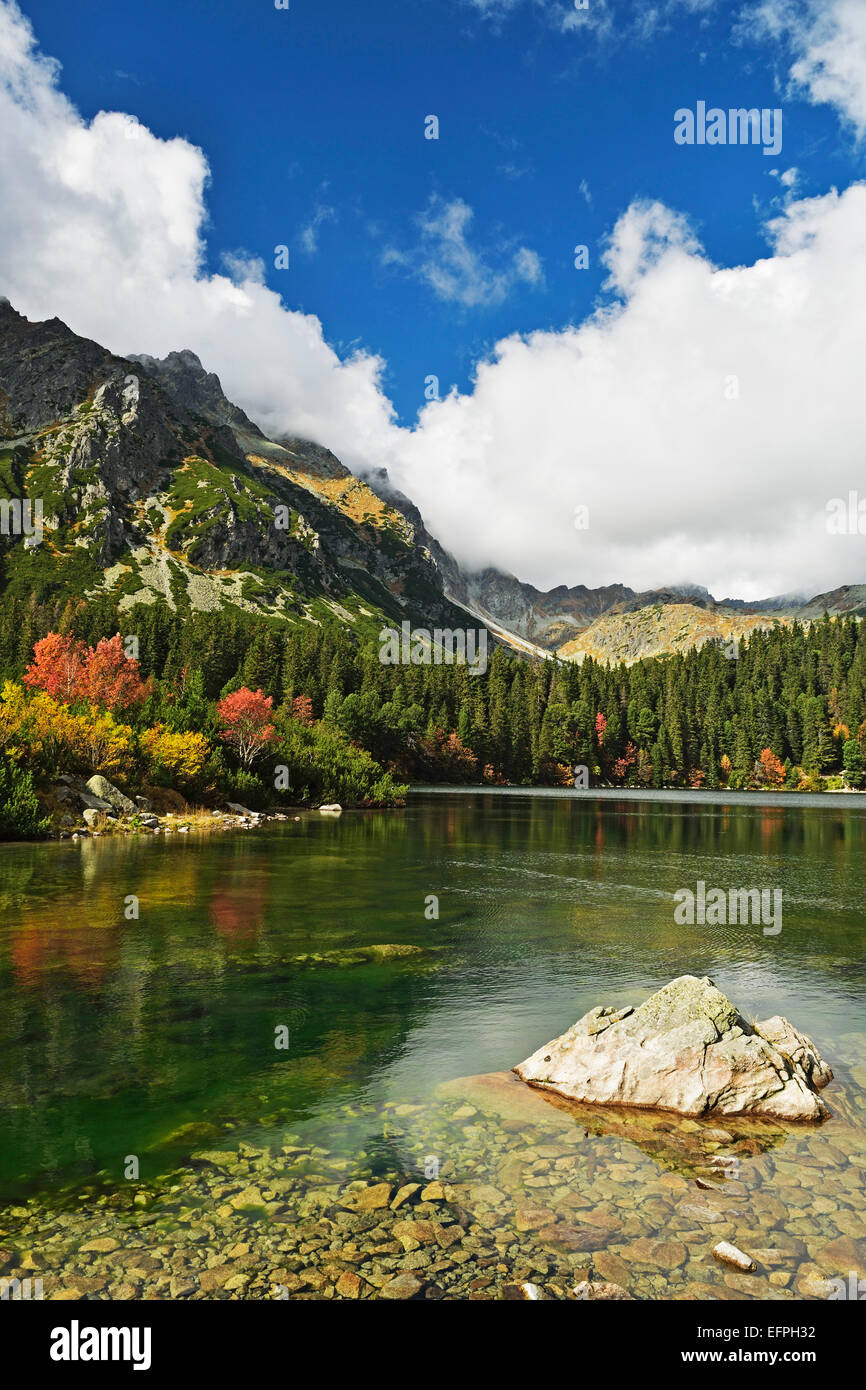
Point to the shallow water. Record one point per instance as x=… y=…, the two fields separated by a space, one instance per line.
x=155 y=1037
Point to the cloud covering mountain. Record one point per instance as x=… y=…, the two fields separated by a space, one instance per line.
x=704 y=415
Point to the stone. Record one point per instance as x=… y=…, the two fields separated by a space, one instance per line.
x=215 y=1278
x=405 y=1285
x=612 y=1268
x=728 y=1254
x=662 y=1254
x=843 y=1255
x=533 y=1218
x=595 y=1289
x=94 y=803
x=686 y=1049
x=411 y=1234
x=106 y=791
x=247 y=1197
x=334 y=809
x=369 y=1198
x=102 y=1245
x=568 y=1237
x=404 y=1193
x=796 y=1048
x=349 y=1285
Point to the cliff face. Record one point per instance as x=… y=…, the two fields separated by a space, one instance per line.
x=153 y=484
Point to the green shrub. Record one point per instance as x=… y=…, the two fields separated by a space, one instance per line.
x=20 y=813
x=248 y=789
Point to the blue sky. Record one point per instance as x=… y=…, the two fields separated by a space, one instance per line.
x=695 y=394
x=313 y=118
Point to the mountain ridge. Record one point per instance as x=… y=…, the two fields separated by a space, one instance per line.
x=154 y=484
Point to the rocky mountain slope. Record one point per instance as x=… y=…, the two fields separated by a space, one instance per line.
x=611 y=623
x=154 y=485
x=657 y=625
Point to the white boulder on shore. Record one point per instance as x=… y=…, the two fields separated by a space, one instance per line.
x=687 y=1049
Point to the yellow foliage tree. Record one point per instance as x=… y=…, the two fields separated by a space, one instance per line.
x=35 y=729
x=183 y=755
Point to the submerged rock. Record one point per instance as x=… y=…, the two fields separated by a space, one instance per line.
x=595 y=1289
x=728 y=1254
x=355 y=955
x=686 y=1049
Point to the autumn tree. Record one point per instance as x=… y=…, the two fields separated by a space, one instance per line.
x=302 y=709
x=110 y=677
x=770 y=769
x=68 y=670
x=57 y=666
x=245 y=723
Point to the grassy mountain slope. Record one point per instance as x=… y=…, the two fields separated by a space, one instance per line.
x=154 y=486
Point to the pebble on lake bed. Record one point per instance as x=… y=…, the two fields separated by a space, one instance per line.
x=729 y=1255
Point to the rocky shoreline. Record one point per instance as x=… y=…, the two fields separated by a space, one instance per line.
x=105 y=810
x=533 y=1200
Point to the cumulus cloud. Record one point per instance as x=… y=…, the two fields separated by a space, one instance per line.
x=704 y=418
x=103 y=226
x=703 y=415
x=456 y=270
x=827 y=43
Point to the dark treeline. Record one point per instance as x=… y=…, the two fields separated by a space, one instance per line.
x=789 y=710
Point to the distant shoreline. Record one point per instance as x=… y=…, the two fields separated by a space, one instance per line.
x=678 y=795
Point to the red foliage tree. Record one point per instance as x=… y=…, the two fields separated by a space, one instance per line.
x=245 y=723
x=302 y=709
x=600 y=726
x=622 y=766
x=110 y=677
x=67 y=670
x=57 y=666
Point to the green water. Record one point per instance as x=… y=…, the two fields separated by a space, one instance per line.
x=117 y=1033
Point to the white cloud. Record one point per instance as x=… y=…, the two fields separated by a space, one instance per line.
x=827 y=44
x=629 y=415
x=605 y=18
x=626 y=413
x=103 y=226
x=454 y=269
x=562 y=15
x=309 y=235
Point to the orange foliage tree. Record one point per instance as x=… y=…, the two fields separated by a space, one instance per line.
x=770 y=769
x=69 y=671
x=245 y=723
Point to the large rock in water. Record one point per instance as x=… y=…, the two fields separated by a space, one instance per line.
x=686 y=1048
